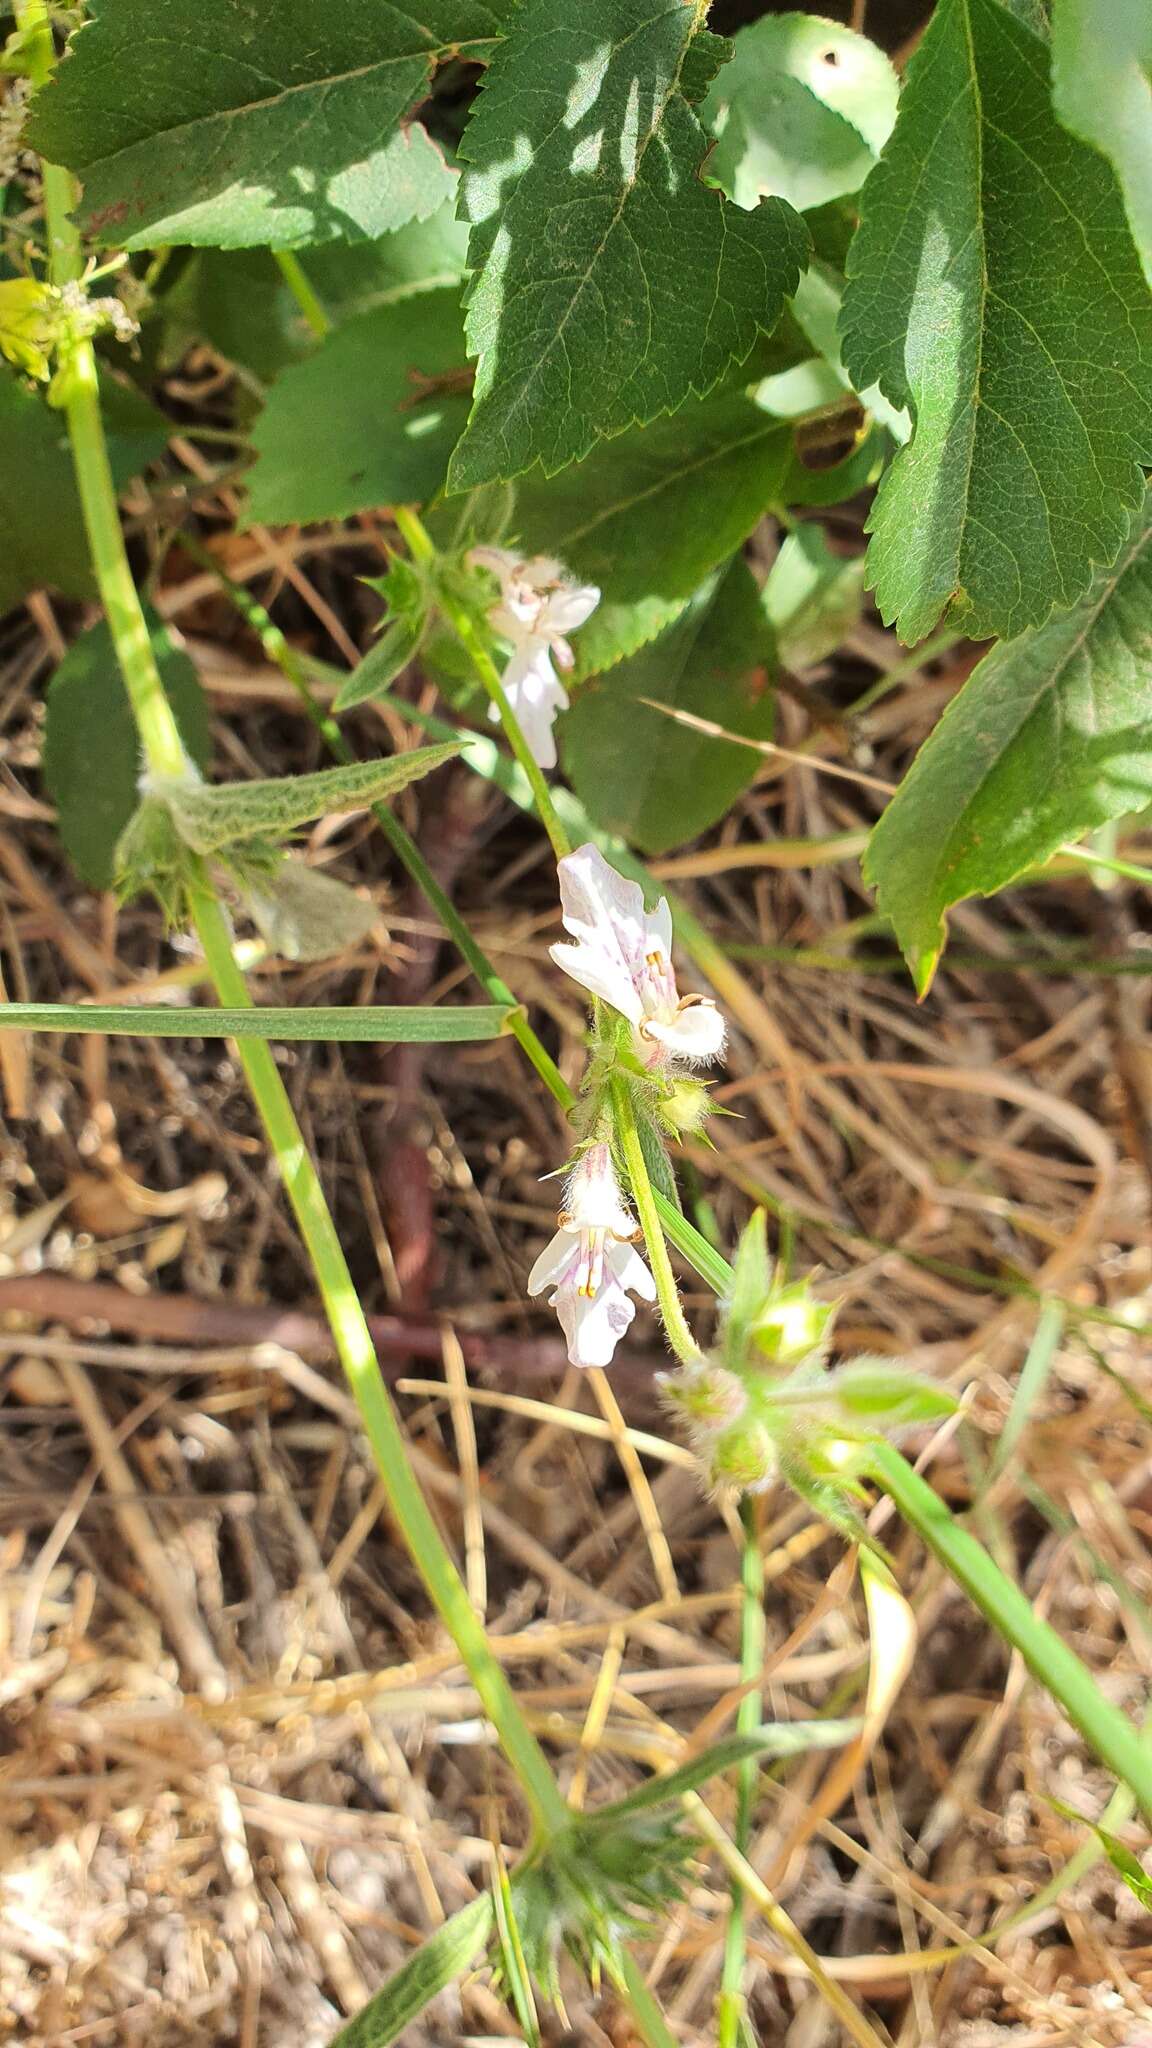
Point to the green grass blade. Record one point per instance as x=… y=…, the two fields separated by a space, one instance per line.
x=405 y=1024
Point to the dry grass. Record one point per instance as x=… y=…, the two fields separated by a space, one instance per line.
x=241 y=1774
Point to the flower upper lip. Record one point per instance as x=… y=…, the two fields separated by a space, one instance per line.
x=623 y=954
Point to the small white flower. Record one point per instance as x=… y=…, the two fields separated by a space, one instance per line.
x=591 y=1263
x=623 y=953
x=539 y=605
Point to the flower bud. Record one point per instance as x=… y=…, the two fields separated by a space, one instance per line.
x=791 y=1325
x=684 y=1108
x=707 y=1396
x=743 y=1457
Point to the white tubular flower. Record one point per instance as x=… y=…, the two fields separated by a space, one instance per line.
x=539 y=605
x=623 y=953
x=591 y=1264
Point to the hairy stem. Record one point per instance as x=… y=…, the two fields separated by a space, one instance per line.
x=667 y=1293
x=730 y=2007
x=421 y=548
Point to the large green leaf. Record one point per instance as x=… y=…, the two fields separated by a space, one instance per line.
x=612 y=283
x=91 y=748
x=369 y=419
x=1050 y=736
x=649 y=516
x=1102 y=83
x=436 y=1964
x=802 y=110
x=639 y=772
x=42 y=538
x=994 y=290
x=275 y=121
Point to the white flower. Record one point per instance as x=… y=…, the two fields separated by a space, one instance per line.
x=623 y=953
x=539 y=605
x=591 y=1263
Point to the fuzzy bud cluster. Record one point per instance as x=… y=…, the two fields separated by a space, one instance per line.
x=766 y=1405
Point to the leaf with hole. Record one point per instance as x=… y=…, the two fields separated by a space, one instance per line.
x=210 y=817
x=640 y=773
x=802 y=110
x=611 y=284
x=91 y=747
x=369 y=419
x=1050 y=736
x=280 y=122
x=994 y=291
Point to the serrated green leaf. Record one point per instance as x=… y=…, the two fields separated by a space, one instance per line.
x=91 y=748
x=369 y=419
x=612 y=284
x=436 y=1964
x=647 y=517
x=364 y=1024
x=813 y=598
x=1124 y=1860
x=1050 y=736
x=213 y=816
x=279 y=122
x=1102 y=88
x=42 y=538
x=802 y=110
x=782 y=1738
x=387 y=659
x=305 y=914
x=816 y=308
x=637 y=771
x=995 y=292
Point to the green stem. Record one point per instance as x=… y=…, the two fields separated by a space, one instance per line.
x=164 y=755
x=358 y=1356
x=730 y=2009
x=299 y=284
x=1105 y=1729
x=667 y=1293
x=420 y=545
